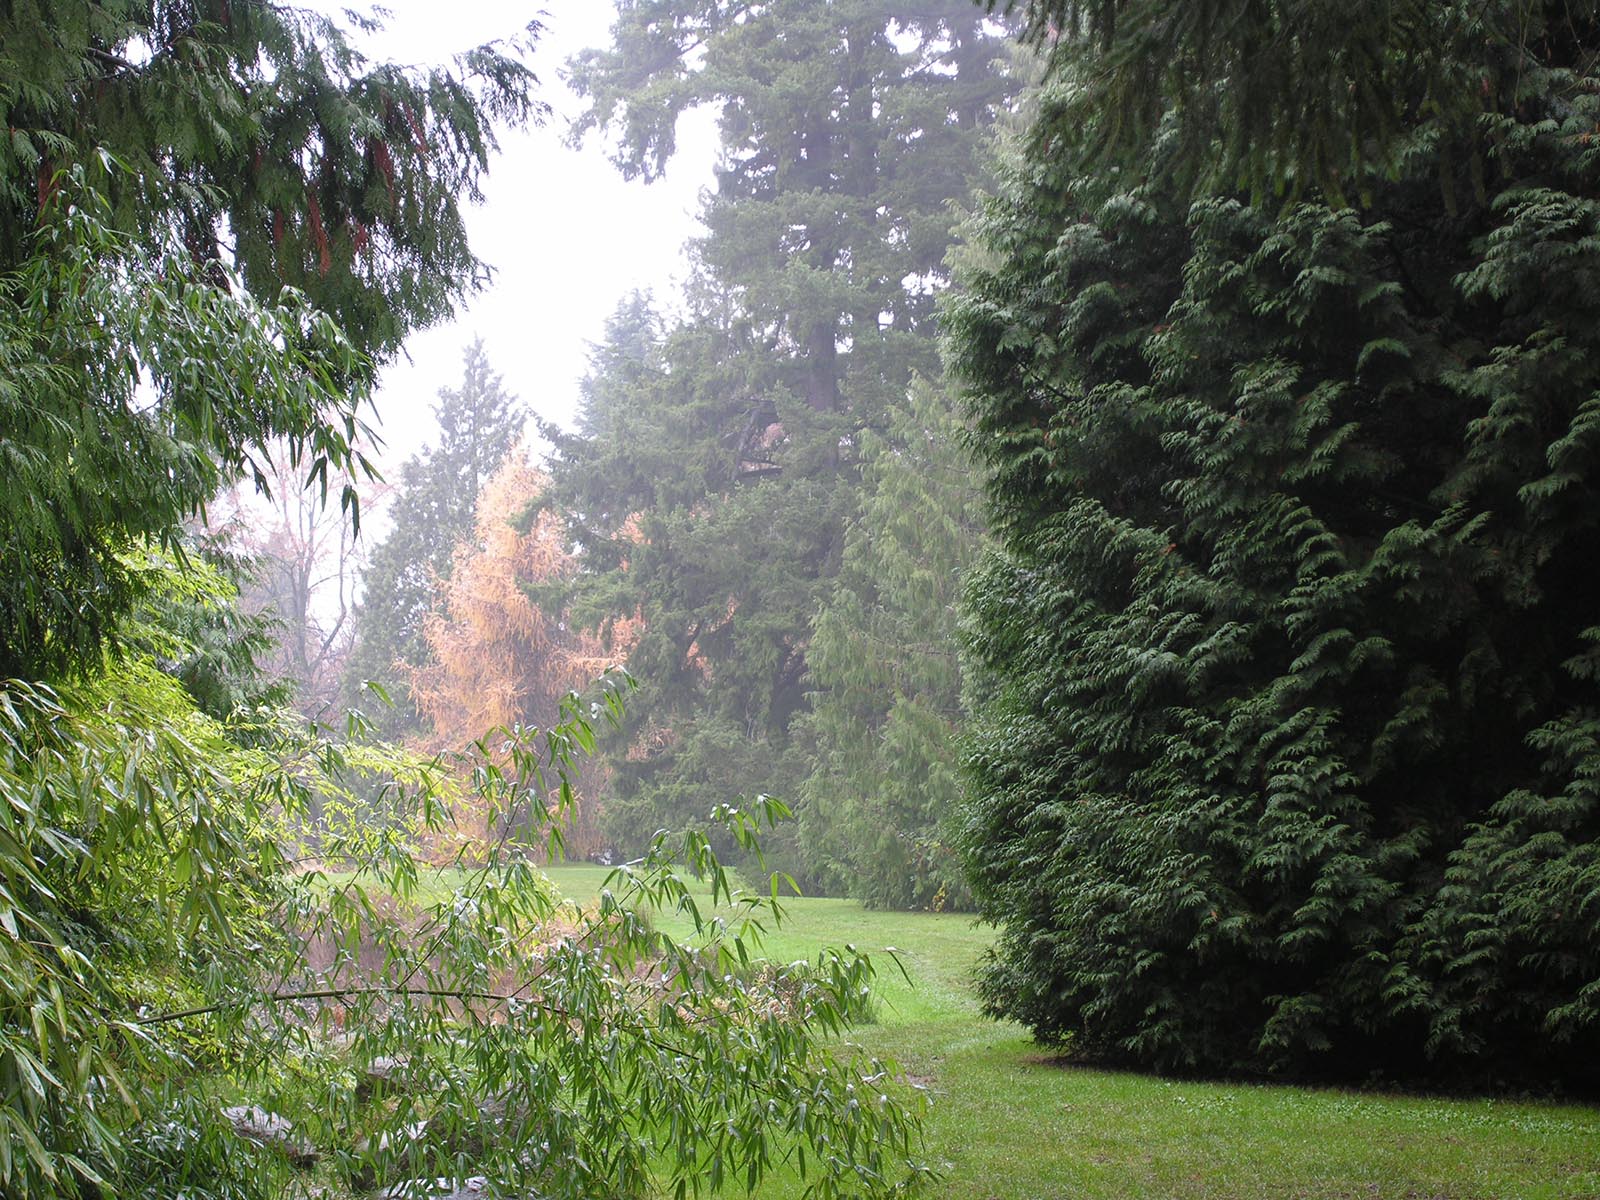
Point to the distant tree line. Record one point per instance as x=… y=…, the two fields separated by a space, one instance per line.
x=738 y=481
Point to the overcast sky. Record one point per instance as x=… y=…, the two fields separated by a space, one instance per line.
x=567 y=236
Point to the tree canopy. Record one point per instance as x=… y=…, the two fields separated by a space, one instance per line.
x=434 y=507
x=214 y=220
x=879 y=809
x=1280 y=98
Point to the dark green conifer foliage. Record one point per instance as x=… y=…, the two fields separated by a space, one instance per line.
x=433 y=509
x=886 y=718
x=733 y=438
x=1288 y=688
x=1276 y=96
x=723 y=571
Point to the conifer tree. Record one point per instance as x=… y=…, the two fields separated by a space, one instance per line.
x=846 y=130
x=159 y=929
x=877 y=810
x=432 y=511
x=1273 y=98
x=497 y=659
x=1286 y=659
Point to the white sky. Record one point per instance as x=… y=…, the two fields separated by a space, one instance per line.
x=568 y=237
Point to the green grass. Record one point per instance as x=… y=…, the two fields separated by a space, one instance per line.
x=1010 y=1123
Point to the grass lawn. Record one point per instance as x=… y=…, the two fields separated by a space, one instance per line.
x=1010 y=1122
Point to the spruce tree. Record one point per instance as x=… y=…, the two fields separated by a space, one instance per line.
x=1286 y=659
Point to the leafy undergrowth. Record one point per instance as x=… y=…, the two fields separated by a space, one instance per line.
x=1009 y=1122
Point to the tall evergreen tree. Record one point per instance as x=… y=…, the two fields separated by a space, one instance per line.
x=1288 y=734
x=432 y=511
x=1272 y=97
x=877 y=809
x=847 y=129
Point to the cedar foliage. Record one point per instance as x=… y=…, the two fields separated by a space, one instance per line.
x=1288 y=677
x=1274 y=97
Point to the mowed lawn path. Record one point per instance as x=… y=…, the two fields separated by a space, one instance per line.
x=1011 y=1123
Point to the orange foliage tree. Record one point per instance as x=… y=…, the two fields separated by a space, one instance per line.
x=498 y=658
